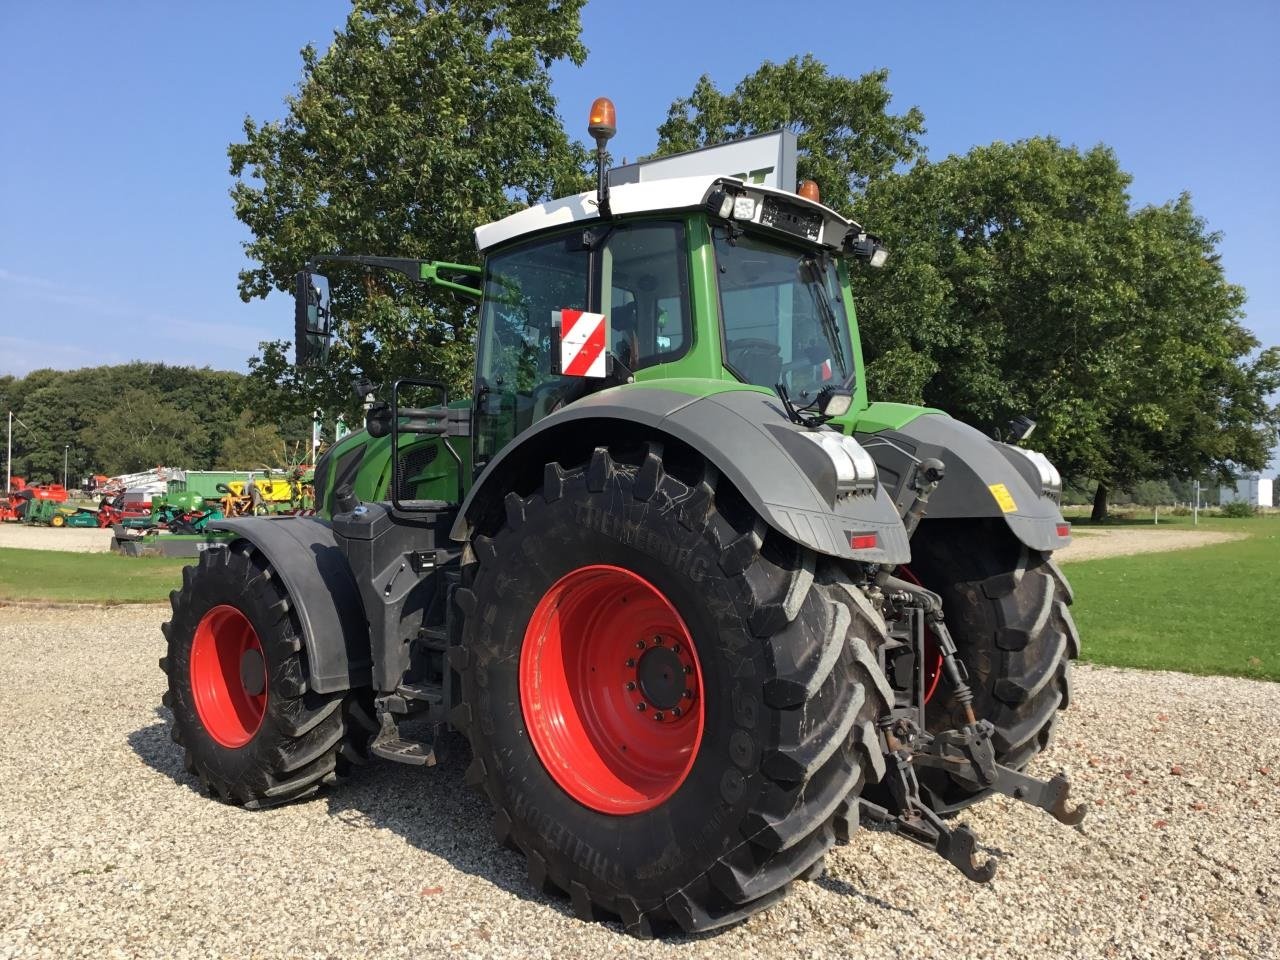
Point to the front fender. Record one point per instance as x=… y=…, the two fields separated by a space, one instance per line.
x=303 y=553
x=983 y=478
x=742 y=432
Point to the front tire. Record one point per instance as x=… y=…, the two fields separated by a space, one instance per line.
x=250 y=728
x=701 y=819
x=1007 y=607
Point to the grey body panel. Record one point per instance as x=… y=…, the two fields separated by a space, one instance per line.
x=974 y=464
x=738 y=432
x=305 y=555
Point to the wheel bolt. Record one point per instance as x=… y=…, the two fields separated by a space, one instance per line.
x=688 y=694
x=658 y=716
x=657 y=641
x=631 y=685
x=631 y=661
x=641 y=707
x=675 y=648
x=688 y=670
x=675 y=711
x=639 y=644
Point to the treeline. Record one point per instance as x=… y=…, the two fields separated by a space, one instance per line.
x=134 y=416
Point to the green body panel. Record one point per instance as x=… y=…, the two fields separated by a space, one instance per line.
x=437 y=481
x=694 y=386
x=881 y=416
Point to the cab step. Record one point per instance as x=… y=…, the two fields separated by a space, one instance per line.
x=390 y=745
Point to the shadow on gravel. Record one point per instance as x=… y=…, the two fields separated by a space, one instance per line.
x=431 y=808
x=434 y=810
x=155 y=747
x=846 y=889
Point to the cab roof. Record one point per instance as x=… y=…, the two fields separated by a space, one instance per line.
x=654 y=196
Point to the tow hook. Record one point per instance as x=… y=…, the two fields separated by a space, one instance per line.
x=967 y=754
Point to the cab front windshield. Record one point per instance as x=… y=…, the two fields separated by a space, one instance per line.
x=783 y=314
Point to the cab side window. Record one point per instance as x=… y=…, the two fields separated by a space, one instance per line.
x=645 y=271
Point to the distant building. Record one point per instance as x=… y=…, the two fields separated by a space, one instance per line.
x=1254 y=490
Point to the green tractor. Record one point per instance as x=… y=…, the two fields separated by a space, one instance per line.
x=697 y=604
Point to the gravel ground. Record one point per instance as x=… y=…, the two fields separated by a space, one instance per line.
x=1092 y=543
x=66 y=539
x=107 y=850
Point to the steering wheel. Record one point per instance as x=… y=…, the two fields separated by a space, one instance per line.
x=755 y=345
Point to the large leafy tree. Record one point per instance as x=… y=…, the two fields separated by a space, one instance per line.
x=424 y=119
x=845 y=133
x=1021 y=281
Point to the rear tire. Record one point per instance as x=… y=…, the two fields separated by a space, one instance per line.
x=250 y=728
x=788 y=687
x=1007 y=609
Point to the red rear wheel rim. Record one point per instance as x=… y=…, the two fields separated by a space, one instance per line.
x=228 y=676
x=611 y=690
x=932 y=652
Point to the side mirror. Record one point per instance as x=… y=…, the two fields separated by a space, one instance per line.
x=312 y=322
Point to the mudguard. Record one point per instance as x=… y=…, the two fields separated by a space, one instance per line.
x=745 y=434
x=303 y=553
x=983 y=478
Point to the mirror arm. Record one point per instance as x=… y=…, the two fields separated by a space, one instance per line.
x=423 y=271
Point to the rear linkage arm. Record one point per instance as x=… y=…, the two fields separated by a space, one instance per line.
x=967 y=754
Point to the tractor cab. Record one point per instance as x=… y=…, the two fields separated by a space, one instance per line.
x=710 y=281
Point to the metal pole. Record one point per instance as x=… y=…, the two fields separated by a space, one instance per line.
x=8 y=464
x=1195 y=511
x=66 y=453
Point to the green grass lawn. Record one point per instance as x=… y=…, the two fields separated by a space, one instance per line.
x=1206 y=610
x=1212 y=609
x=87 y=577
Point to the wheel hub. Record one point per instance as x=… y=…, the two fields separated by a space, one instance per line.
x=663 y=683
x=253 y=672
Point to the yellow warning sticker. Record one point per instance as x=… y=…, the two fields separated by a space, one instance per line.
x=1003 y=497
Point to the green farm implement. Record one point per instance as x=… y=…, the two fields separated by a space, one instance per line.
x=50 y=513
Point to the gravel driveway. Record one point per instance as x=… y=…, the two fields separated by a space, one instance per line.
x=107 y=850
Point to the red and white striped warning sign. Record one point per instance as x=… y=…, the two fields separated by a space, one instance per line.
x=582 y=340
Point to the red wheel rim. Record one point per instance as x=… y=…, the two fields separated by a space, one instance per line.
x=228 y=676
x=611 y=690
x=932 y=652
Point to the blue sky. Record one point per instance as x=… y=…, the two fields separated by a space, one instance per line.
x=117 y=238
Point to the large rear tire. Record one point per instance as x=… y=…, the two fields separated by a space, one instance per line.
x=1007 y=609
x=250 y=728
x=695 y=801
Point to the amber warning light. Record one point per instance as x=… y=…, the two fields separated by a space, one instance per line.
x=809 y=190
x=603 y=122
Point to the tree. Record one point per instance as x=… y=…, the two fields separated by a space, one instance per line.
x=252 y=444
x=140 y=430
x=423 y=120
x=845 y=134
x=1020 y=281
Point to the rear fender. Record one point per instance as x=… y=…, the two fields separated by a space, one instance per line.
x=303 y=553
x=743 y=433
x=977 y=468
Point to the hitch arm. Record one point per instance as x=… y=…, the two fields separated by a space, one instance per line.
x=917 y=823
